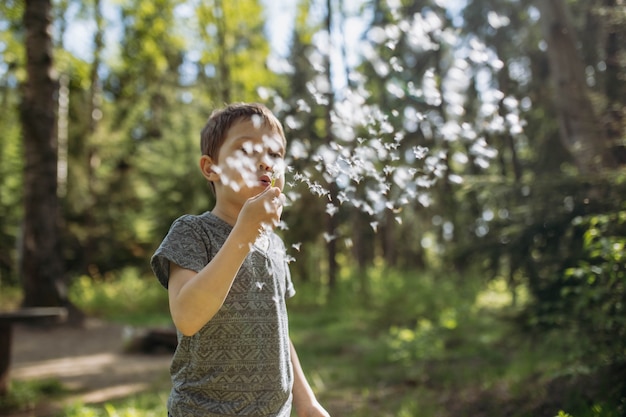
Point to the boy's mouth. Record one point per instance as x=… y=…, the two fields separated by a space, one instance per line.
x=265 y=180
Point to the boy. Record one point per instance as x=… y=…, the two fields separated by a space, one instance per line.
x=227 y=279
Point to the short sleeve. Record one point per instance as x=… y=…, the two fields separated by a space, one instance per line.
x=183 y=245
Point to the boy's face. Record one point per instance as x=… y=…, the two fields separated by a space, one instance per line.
x=250 y=159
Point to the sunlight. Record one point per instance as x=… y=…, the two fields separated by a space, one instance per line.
x=497 y=295
x=64 y=367
x=111 y=393
x=85 y=372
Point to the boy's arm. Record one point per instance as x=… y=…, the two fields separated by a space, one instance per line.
x=303 y=397
x=194 y=298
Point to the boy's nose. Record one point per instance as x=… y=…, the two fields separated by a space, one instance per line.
x=265 y=164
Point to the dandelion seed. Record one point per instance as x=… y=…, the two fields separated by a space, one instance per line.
x=257 y=120
x=328 y=237
x=420 y=152
x=455 y=179
x=481 y=162
x=424 y=199
x=497 y=21
x=303 y=106
x=276 y=174
x=374 y=226
x=296 y=246
x=342 y=197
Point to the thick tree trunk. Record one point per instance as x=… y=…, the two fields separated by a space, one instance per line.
x=41 y=263
x=615 y=86
x=580 y=127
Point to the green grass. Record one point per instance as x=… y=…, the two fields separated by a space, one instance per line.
x=10 y=297
x=143 y=405
x=416 y=346
x=27 y=394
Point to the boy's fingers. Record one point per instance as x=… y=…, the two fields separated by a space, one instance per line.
x=272 y=191
x=280 y=199
x=276 y=191
x=267 y=193
x=274 y=194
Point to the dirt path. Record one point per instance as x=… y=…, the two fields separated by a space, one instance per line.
x=89 y=361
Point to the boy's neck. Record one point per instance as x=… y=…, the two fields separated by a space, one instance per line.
x=228 y=214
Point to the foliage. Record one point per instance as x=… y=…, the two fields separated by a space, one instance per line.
x=566 y=250
x=26 y=394
x=11 y=160
x=418 y=340
x=144 y=405
x=462 y=347
x=595 y=289
x=437 y=149
x=124 y=296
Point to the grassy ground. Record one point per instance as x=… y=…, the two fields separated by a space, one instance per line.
x=415 y=347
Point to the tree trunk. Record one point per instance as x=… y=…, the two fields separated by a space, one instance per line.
x=94 y=109
x=223 y=67
x=615 y=87
x=580 y=128
x=389 y=239
x=41 y=263
x=331 y=224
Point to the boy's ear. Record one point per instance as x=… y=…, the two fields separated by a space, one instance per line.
x=206 y=167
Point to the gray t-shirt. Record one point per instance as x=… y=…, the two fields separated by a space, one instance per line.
x=238 y=364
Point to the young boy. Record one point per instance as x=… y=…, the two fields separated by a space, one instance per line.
x=227 y=279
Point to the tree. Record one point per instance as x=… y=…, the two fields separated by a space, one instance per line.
x=41 y=263
x=11 y=146
x=580 y=128
x=329 y=137
x=231 y=51
x=615 y=83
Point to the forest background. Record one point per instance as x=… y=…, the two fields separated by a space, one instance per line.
x=474 y=150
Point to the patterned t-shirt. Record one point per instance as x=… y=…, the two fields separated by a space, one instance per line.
x=238 y=364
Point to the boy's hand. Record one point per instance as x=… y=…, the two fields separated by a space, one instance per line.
x=262 y=211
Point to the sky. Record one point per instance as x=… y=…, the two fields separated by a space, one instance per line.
x=280 y=23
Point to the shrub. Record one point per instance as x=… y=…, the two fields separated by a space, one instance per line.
x=123 y=296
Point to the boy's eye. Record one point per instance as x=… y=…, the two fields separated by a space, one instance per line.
x=247 y=151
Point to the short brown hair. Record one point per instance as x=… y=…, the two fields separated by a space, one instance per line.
x=214 y=132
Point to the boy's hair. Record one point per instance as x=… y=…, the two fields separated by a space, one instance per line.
x=216 y=128
x=214 y=132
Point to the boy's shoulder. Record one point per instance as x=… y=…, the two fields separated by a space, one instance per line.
x=204 y=218
x=202 y=223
